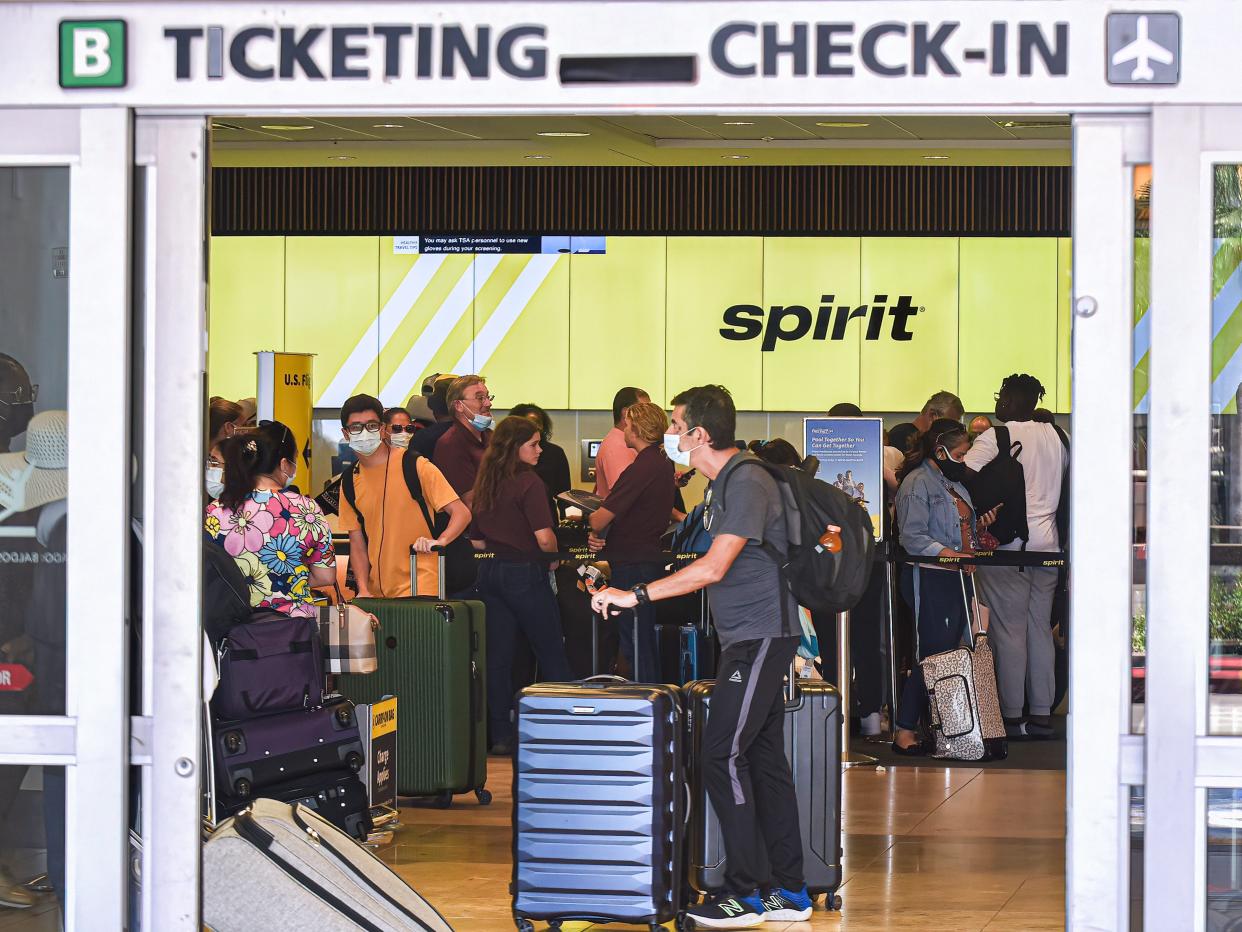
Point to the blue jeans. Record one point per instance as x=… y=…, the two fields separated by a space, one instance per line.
x=518 y=595
x=647 y=669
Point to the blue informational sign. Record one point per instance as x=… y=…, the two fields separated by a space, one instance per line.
x=850 y=451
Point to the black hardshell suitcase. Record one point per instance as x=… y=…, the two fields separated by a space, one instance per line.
x=258 y=752
x=813 y=747
x=598 y=803
x=337 y=795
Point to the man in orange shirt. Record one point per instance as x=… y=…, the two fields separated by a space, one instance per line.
x=381 y=513
x=614 y=455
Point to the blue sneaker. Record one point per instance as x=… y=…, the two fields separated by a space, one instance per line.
x=728 y=912
x=788 y=906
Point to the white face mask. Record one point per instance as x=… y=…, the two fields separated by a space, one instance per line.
x=365 y=443
x=215 y=481
x=672 y=449
x=293 y=475
x=400 y=441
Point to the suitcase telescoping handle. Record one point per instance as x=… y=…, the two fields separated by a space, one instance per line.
x=442 y=591
x=971 y=602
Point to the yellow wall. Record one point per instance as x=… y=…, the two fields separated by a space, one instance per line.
x=567 y=331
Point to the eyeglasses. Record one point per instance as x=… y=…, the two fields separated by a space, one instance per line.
x=355 y=430
x=20 y=396
x=401 y=428
x=479 y=399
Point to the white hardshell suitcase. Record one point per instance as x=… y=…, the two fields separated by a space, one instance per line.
x=276 y=867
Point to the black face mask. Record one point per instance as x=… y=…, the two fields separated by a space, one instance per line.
x=953 y=470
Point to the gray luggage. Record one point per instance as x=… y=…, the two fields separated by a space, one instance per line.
x=280 y=868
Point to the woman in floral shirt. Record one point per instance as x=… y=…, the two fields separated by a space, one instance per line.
x=280 y=540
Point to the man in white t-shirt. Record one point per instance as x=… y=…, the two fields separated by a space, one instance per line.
x=1020 y=598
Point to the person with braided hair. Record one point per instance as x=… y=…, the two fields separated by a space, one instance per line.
x=1020 y=598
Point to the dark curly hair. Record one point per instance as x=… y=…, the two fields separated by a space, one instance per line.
x=1022 y=393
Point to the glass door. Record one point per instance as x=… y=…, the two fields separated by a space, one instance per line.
x=64 y=516
x=1193 y=754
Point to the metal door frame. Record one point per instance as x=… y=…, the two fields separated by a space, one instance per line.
x=91 y=739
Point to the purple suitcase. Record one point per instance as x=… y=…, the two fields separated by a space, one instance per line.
x=256 y=753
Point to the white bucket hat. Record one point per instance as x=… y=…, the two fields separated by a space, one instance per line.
x=39 y=474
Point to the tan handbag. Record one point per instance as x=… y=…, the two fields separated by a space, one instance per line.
x=348 y=636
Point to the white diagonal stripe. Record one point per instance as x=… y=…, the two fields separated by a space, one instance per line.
x=490 y=336
x=438 y=329
x=390 y=317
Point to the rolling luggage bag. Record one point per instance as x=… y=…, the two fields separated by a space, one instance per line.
x=282 y=868
x=813 y=748
x=337 y=795
x=431 y=655
x=966 y=720
x=255 y=753
x=598 y=808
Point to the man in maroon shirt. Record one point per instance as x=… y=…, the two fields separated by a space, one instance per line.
x=634 y=517
x=459 y=452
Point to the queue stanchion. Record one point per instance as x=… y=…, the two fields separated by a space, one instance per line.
x=890 y=611
x=845 y=670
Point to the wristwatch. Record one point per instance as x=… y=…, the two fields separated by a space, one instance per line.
x=640 y=593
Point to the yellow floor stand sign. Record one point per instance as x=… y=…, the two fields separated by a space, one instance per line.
x=285 y=395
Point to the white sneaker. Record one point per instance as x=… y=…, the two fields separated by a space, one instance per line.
x=870 y=725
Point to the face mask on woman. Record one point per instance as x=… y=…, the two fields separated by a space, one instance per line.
x=954 y=470
x=215 y=481
x=293 y=475
x=401 y=441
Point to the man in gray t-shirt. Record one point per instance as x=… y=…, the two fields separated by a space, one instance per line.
x=743 y=752
x=746 y=603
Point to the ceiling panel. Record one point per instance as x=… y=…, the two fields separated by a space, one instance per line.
x=951 y=127
x=752 y=127
x=658 y=127
x=876 y=127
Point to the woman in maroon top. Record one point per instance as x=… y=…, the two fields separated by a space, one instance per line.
x=629 y=525
x=513 y=521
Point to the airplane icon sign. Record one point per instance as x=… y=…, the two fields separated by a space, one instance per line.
x=1143 y=48
x=1142 y=51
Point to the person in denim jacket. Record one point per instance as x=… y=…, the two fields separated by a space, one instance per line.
x=935 y=518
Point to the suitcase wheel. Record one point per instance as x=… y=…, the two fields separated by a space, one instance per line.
x=833 y=902
x=354 y=761
x=242 y=788
x=444 y=800
x=483 y=796
x=525 y=925
x=345 y=715
x=232 y=741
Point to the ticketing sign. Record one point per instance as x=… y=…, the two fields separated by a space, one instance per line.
x=519 y=56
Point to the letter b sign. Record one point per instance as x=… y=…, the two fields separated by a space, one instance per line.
x=92 y=53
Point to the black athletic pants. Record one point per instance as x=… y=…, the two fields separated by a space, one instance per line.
x=745 y=770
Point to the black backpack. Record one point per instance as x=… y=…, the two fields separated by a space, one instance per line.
x=409 y=469
x=820 y=580
x=1002 y=482
x=460 y=565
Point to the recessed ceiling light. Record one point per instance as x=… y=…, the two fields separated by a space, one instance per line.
x=287 y=127
x=342 y=158
x=835 y=124
x=536 y=156
x=738 y=157
x=931 y=158
x=387 y=126
x=1034 y=124
x=563 y=135
x=738 y=123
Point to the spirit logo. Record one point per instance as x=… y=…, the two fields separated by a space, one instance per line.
x=794 y=321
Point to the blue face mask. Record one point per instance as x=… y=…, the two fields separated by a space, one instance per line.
x=480 y=421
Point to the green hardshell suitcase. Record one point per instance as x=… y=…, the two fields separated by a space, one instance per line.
x=432 y=657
